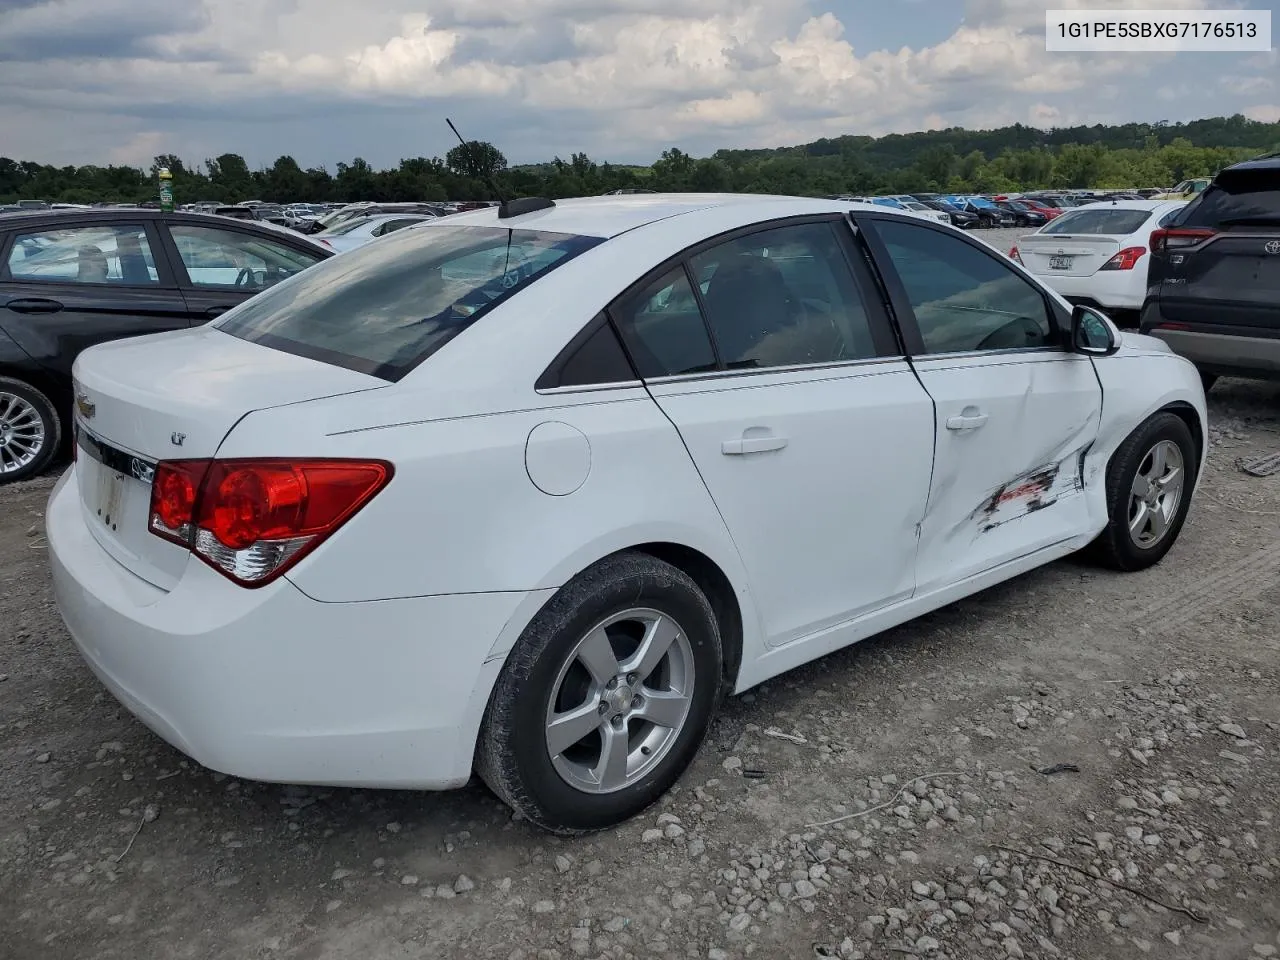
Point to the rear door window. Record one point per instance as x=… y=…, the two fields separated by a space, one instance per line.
x=1100 y=222
x=385 y=307
x=117 y=254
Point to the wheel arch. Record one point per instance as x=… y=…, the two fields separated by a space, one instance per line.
x=1188 y=415
x=715 y=583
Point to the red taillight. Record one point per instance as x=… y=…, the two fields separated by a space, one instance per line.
x=1014 y=255
x=253 y=519
x=1174 y=238
x=1126 y=259
x=173 y=498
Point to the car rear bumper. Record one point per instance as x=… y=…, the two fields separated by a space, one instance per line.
x=1224 y=354
x=271 y=685
x=1109 y=289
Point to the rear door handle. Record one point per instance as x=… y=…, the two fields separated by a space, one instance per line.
x=34 y=305
x=745 y=445
x=216 y=311
x=972 y=422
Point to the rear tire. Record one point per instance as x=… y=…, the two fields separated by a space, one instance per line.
x=1150 y=481
x=583 y=658
x=30 y=431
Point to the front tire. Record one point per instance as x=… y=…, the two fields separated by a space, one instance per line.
x=30 y=431
x=1150 y=481
x=605 y=698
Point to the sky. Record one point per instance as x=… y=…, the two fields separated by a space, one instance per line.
x=120 y=81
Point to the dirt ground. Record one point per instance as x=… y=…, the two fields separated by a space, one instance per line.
x=1162 y=838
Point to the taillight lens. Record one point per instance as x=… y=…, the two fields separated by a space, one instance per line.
x=1014 y=255
x=1175 y=238
x=1126 y=259
x=253 y=519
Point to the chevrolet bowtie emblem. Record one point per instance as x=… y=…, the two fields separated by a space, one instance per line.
x=86 y=406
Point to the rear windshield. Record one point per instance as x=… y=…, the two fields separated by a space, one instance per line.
x=1237 y=196
x=1098 y=220
x=384 y=308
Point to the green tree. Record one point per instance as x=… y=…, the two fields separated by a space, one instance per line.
x=476 y=159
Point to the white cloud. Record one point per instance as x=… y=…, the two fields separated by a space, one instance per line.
x=618 y=78
x=1265 y=112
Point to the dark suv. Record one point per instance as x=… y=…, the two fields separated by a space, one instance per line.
x=1213 y=289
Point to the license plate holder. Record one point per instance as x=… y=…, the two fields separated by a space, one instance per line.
x=1060 y=263
x=110 y=495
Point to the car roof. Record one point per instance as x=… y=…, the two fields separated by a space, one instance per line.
x=95 y=215
x=611 y=215
x=1269 y=162
x=1129 y=204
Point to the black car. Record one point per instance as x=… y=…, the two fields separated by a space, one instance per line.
x=70 y=279
x=1213 y=290
x=963 y=219
x=989 y=215
x=1023 y=216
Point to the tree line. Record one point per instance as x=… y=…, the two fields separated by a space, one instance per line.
x=953 y=160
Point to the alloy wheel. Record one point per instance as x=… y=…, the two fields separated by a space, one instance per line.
x=1156 y=494
x=21 y=433
x=620 y=701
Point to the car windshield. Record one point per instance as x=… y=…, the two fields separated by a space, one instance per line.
x=1095 y=220
x=385 y=307
x=913 y=205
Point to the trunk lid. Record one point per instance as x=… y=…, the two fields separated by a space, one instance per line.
x=1067 y=255
x=170 y=397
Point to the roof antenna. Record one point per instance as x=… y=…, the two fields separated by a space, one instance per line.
x=506 y=208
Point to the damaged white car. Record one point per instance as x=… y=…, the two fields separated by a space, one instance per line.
x=525 y=491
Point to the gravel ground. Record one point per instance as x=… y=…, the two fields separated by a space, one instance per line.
x=1003 y=239
x=927 y=753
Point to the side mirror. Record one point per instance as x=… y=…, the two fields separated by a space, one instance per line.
x=1092 y=333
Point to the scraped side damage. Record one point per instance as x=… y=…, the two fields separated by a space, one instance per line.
x=1026 y=494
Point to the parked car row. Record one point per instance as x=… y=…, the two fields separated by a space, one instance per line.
x=970 y=211
x=1203 y=274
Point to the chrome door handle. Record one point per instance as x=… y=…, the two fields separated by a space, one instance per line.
x=745 y=445
x=966 y=423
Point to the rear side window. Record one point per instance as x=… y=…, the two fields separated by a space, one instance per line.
x=1237 y=197
x=663 y=328
x=384 y=308
x=1102 y=221
x=117 y=254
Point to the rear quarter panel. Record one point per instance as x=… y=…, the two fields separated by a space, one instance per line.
x=463 y=515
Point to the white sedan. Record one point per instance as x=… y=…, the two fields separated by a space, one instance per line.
x=1098 y=254
x=360 y=230
x=528 y=490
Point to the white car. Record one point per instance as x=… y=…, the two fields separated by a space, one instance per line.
x=527 y=490
x=359 y=231
x=1098 y=254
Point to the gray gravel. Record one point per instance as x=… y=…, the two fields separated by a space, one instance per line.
x=919 y=752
